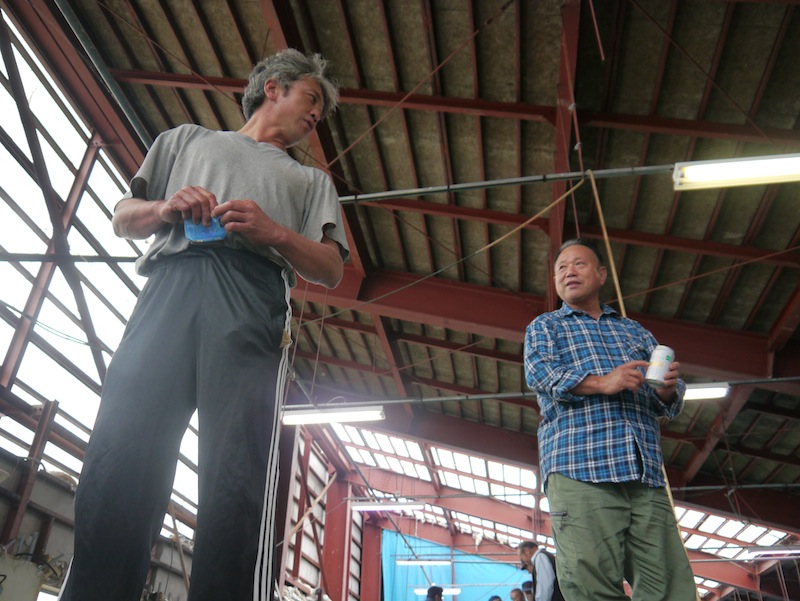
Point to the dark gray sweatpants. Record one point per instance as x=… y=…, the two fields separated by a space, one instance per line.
x=205 y=335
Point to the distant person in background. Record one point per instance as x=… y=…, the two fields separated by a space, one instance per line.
x=600 y=442
x=527 y=590
x=495 y=598
x=517 y=595
x=435 y=593
x=542 y=568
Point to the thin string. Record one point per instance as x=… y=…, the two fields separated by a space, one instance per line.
x=400 y=103
x=455 y=263
x=713 y=272
x=172 y=55
x=319 y=340
x=611 y=262
x=622 y=311
x=310 y=509
x=710 y=79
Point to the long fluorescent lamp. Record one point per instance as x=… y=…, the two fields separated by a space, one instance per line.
x=774 y=551
x=294 y=417
x=698 y=392
x=776 y=169
x=386 y=505
x=424 y=562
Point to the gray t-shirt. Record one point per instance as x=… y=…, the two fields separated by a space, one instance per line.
x=235 y=167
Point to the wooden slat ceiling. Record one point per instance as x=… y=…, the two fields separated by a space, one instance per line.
x=438 y=92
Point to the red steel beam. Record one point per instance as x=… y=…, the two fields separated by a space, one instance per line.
x=30 y=468
x=338 y=540
x=42 y=28
x=652 y=124
x=302 y=503
x=451 y=432
x=453 y=499
x=786 y=324
x=646 y=239
x=457 y=347
x=408 y=526
x=710 y=351
x=767 y=507
x=33 y=305
x=730 y=409
x=371 y=545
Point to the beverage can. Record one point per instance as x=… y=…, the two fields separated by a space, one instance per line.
x=660 y=359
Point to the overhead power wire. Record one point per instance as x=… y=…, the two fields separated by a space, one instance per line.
x=492 y=396
x=455 y=263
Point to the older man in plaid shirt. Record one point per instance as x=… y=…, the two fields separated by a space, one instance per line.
x=600 y=443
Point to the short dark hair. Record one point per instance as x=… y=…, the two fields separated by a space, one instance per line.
x=580 y=242
x=528 y=544
x=495 y=598
x=527 y=585
x=435 y=590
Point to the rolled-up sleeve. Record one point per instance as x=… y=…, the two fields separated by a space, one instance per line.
x=545 y=371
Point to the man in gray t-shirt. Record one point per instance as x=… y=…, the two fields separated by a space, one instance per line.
x=209 y=334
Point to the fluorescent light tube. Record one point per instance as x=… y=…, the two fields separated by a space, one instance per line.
x=423 y=562
x=774 y=551
x=714 y=390
x=386 y=505
x=332 y=415
x=697 y=175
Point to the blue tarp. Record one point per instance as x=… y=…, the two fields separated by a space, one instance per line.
x=478 y=577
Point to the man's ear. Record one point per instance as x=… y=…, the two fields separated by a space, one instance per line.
x=271 y=89
x=603 y=274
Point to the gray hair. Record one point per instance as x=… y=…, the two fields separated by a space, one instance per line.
x=285 y=67
x=580 y=242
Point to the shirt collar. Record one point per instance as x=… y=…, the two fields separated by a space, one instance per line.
x=566 y=310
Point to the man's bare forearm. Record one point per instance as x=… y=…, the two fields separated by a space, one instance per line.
x=137 y=218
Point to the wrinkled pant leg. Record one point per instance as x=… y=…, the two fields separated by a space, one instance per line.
x=657 y=565
x=129 y=468
x=241 y=379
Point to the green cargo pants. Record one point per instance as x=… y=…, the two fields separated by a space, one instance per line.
x=607 y=532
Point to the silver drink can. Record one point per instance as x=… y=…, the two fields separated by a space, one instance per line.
x=659 y=365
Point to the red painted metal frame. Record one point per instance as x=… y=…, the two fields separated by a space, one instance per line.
x=336 y=556
x=371 y=546
x=30 y=469
x=487 y=108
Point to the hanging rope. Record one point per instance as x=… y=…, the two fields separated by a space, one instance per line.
x=613 y=269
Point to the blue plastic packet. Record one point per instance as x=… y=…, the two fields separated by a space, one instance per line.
x=197 y=233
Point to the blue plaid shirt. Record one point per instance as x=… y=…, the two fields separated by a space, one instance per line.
x=594 y=438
